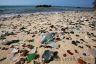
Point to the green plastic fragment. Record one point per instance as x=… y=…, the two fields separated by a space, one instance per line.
x=30 y=57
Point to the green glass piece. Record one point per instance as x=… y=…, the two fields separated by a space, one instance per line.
x=30 y=57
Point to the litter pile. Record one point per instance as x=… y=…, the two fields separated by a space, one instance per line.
x=23 y=53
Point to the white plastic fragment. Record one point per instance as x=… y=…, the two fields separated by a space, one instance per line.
x=53 y=45
x=42 y=36
x=14 y=50
x=33 y=50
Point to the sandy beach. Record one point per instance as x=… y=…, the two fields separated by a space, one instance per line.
x=75 y=37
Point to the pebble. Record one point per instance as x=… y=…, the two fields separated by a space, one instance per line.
x=72 y=32
x=52 y=26
x=82 y=40
x=18 y=62
x=77 y=35
x=22 y=60
x=76 y=51
x=68 y=51
x=30 y=46
x=80 y=61
x=73 y=42
x=58 y=39
x=63 y=29
x=23 y=52
x=94 y=46
x=67 y=38
x=2 y=58
x=88 y=46
x=64 y=55
x=33 y=35
x=84 y=54
x=80 y=46
x=4 y=48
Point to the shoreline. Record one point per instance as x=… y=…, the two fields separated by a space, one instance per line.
x=49 y=12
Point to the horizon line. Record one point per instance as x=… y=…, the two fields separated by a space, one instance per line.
x=46 y=4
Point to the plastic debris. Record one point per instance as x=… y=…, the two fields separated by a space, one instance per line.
x=30 y=57
x=33 y=50
x=46 y=39
x=47 y=56
x=14 y=50
x=53 y=45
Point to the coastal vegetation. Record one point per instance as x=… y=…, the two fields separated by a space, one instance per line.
x=43 y=6
x=94 y=3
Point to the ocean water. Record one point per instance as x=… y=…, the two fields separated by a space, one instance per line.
x=32 y=9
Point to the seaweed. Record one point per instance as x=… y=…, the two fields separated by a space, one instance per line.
x=3 y=36
x=13 y=41
x=23 y=30
x=32 y=40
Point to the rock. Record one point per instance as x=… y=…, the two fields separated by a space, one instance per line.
x=95 y=59
x=47 y=56
x=94 y=46
x=43 y=31
x=52 y=26
x=82 y=40
x=33 y=35
x=73 y=42
x=22 y=60
x=76 y=51
x=67 y=38
x=30 y=46
x=18 y=16
x=77 y=35
x=80 y=46
x=2 y=58
x=12 y=46
x=4 y=48
x=68 y=51
x=88 y=46
x=10 y=42
x=35 y=62
x=80 y=61
x=58 y=39
x=84 y=54
x=64 y=55
x=72 y=32
x=24 y=52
